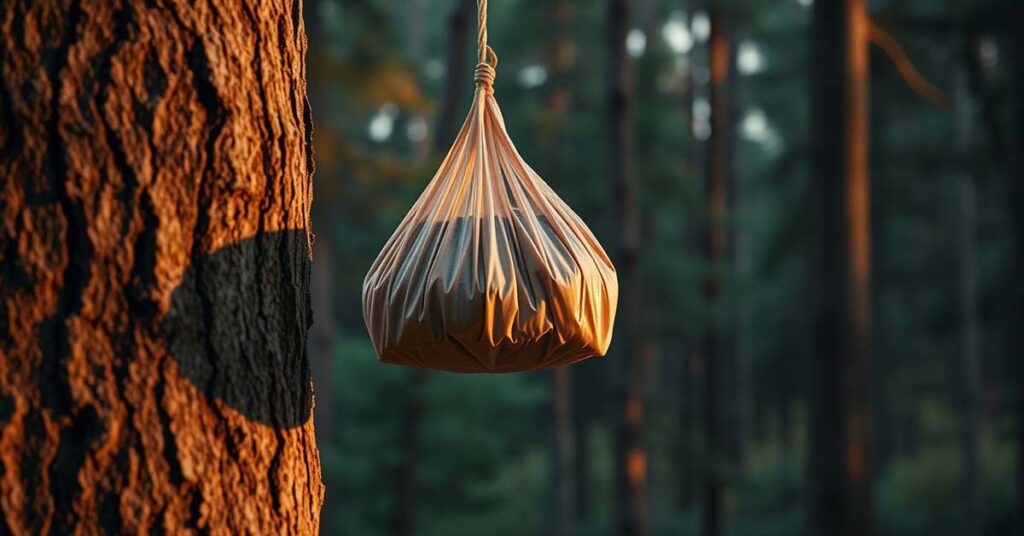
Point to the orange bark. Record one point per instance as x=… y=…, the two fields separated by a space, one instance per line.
x=154 y=267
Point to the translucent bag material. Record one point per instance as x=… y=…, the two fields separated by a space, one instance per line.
x=489 y=271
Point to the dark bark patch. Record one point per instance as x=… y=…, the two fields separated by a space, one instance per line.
x=11 y=139
x=54 y=338
x=75 y=443
x=7 y=406
x=143 y=274
x=238 y=333
x=155 y=80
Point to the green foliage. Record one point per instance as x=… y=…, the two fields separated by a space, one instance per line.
x=920 y=494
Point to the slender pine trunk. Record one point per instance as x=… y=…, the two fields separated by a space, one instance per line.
x=970 y=352
x=719 y=58
x=561 y=57
x=841 y=431
x=457 y=75
x=1014 y=168
x=630 y=456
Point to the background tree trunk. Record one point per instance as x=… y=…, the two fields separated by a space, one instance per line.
x=562 y=53
x=457 y=75
x=692 y=369
x=840 y=438
x=323 y=334
x=970 y=353
x=413 y=410
x=626 y=375
x=322 y=339
x=743 y=271
x=410 y=430
x=415 y=40
x=565 y=489
x=155 y=269
x=719 y=58
x=1014 y=164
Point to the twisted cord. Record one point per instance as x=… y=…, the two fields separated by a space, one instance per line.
x=486 y=58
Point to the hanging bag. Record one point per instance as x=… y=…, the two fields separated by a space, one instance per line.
x=489 y=271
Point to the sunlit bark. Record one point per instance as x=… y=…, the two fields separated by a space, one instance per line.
x=154 y=268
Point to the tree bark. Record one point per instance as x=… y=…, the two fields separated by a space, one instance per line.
x=626 y=376
x=154 y=269
x=840 y=438
x=719 y=59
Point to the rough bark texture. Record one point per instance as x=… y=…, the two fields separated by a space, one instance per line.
x=840 y=437
x=154 y=269
x=626 y=374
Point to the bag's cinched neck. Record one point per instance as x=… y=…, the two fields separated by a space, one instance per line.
x=486 y=58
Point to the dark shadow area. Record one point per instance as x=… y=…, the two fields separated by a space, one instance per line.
x=237 y=327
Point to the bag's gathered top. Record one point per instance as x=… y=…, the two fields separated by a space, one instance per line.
x=489 y=271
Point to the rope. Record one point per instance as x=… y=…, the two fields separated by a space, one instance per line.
x=487 y=59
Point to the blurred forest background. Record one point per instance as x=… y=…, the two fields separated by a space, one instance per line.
x=697 y=139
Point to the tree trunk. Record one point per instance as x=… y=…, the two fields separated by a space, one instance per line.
x=970 y=354
x=692 y=367
x=458 y=28
x=565 y=489
x=322 y=340
x=154 y=269
x=561 y=57
x=689 y=407
x=415 y=40
x=1015 y=200
x=626 y=376
x=719 y=58
x=412 y=415
x=323 y=334
x=742 y=270
x=840 y=443
x=410 y=427
x=581 y=458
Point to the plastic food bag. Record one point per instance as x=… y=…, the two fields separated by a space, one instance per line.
x=490 y=271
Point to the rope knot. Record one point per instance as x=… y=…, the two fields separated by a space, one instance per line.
x=485 y=77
